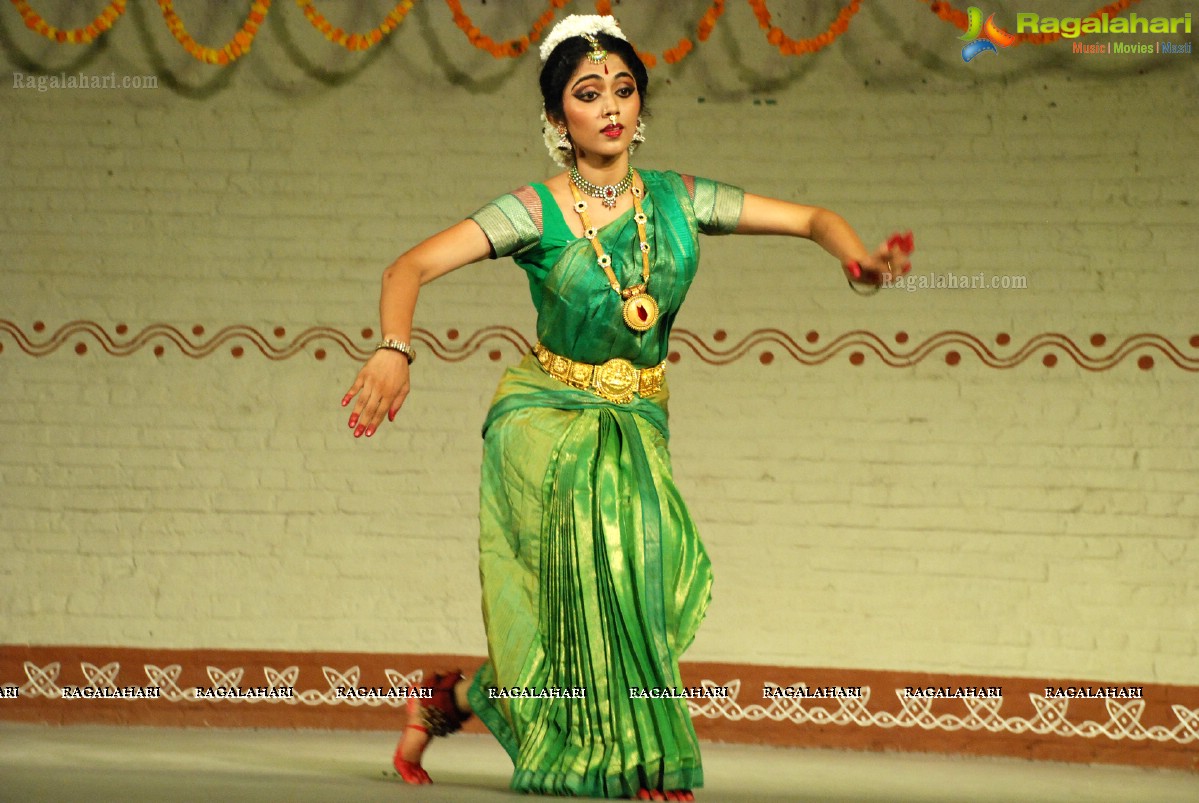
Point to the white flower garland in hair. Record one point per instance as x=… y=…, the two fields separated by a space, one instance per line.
x=577 y=25
x=549 y=132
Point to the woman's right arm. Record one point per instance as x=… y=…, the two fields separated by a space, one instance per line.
x=382 y=384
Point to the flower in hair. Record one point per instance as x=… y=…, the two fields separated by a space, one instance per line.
x=549 y=132
x=577 y=25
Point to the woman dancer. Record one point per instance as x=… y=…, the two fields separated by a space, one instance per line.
x=594 y=578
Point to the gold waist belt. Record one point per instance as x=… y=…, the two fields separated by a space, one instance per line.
x=617 y=380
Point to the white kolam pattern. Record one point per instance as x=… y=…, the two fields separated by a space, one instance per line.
x=1052 y=715
x=43 y=682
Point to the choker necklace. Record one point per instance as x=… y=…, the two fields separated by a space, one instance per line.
x=608 y=193
x=640 y=309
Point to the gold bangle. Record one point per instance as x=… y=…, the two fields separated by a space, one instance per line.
x=400 y=346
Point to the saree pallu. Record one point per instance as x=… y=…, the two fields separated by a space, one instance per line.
x=594 y=577
x=601 y=598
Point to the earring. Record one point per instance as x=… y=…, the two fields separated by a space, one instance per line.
x=638 y=136
x=557 y=141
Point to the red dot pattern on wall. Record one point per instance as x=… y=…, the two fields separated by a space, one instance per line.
x=1094 y=352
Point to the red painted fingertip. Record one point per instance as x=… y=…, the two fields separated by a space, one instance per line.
x=391 y=415
x=346 y=400
x=358 y=432
x=855 y=269
x=901 y=241
x=353 y=420
x=370 y=432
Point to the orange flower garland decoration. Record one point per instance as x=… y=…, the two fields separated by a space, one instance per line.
x=356 y=41
x=677 y=53
x=800 y=47
x=511 y=48
x=76 y=36
x=958 y=19
x=240 y=44
x=237 y=47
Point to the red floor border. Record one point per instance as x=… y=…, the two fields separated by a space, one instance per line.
x=1158 y=729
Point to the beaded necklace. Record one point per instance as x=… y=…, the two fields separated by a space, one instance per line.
x=640 y=309
x=608 y=193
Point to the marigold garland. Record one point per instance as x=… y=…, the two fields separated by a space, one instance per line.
x=356 y=41
x=674 y=55
x=234 y=49
x=76 y=36
x=801 y=47
x=240 y=43
x=511 y=48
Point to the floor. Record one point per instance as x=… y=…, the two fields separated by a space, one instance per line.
x=96 y=763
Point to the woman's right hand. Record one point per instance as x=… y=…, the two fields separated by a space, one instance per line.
x=382 y=384
x=381 y=387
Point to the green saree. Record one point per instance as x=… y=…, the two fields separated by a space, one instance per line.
x=594 y=577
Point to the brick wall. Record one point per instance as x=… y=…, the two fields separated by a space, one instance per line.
x=991 y=514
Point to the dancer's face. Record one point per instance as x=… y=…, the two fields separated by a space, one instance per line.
x=601 y=107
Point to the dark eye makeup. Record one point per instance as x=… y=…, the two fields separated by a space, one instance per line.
x=588 y=95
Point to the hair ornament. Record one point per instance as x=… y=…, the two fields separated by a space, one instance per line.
x=597 y=55
x=585 y=25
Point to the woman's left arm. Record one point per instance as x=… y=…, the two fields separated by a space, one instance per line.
x=760 y=215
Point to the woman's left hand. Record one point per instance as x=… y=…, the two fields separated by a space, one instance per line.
x=889 y=261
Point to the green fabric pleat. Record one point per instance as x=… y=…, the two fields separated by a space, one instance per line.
x=583 y=590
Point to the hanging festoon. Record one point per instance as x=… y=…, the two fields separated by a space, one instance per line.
x=77 y=36
x=240 y=43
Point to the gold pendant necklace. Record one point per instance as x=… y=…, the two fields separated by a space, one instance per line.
x=640 y=309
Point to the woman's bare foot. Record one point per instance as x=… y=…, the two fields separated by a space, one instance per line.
x=416 y=734
x=412 y=746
